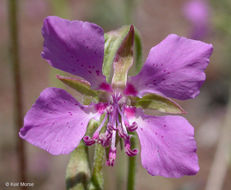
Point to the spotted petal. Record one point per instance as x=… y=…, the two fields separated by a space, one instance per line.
x=56 y=122
x=168 y=147
x=174 y=68
x=76 y=47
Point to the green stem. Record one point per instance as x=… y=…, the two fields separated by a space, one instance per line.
x=14 y=61
x=131 y=168
x=97 y=172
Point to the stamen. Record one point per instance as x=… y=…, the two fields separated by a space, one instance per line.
x=117 y=122
x=122 y=121
x=105 y=139
x=132 y=127
x=88 y=140
x=96 y=133
x=120 y=132
x=112 y=151
x=109 y=109
x=112 y=157
x=128 y=150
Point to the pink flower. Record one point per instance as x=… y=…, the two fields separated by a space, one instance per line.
x=174 y=68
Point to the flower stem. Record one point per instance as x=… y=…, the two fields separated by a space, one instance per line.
x=131 y=168
x=14 y=61
x=97 y=173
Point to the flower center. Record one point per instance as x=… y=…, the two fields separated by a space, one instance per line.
x=117 y=126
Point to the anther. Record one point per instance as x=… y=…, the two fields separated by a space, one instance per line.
x=132 y=127
x=110 y=109
x=111 y=157
x=88 y=140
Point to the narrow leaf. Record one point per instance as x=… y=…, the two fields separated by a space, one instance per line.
x=81 y=86
x=78 y=169
x=123 y=60
x=157 y=102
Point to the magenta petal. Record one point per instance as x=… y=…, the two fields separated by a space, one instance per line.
x=174 y=68
x=56 y=122
x=76 y=47
x=168 y=147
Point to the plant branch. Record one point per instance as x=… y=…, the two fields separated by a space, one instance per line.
x=17 y=89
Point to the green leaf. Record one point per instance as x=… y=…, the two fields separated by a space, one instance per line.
x=81 y=86
x=123 y=60
x=113 y=40
x=78 y=169
x=157 y=102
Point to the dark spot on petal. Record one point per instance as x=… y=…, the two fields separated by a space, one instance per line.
x=97 y=72
x=89 y=72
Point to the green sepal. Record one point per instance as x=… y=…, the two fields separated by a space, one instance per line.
x=78 y=169
x=157 y=102
x=123 y=60
x=81 y=86
x=138 y=55
x=113 y=40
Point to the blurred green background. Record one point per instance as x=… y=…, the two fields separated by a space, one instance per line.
x=155 y=19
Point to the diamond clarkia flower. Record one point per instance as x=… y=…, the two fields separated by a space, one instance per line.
x=174 y=69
